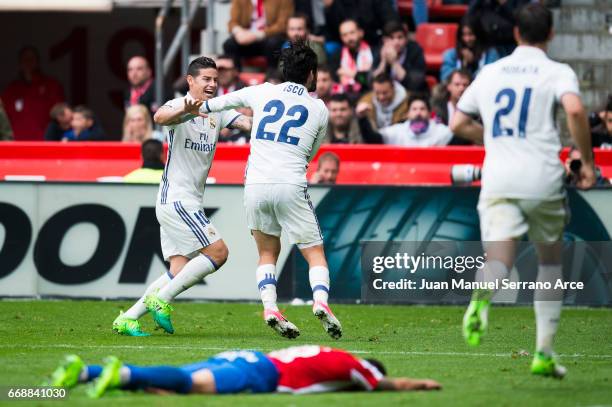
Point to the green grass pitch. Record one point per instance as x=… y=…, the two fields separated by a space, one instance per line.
x=413 y=341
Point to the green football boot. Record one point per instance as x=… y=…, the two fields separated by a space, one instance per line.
x=160 y=310
x=475 y=321
x=127 y=326
x=67 y=373
x=110 y=378
x=547 y=366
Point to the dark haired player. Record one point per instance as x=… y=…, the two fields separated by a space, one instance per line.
x=189 y=241
x=522 y=182
x=298 y=370
x=288 y=128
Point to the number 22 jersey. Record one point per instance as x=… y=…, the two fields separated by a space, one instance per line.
x=288 y=128
x=517 y=97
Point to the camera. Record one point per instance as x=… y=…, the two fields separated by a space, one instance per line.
x=462 y=174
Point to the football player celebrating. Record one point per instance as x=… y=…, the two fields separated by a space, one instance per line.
x=189 y=241
x=288 y=128
x=522 y=177
x=297 y=370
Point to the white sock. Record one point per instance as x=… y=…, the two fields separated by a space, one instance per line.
x=138 y=309
x=547 y=305
x=266 y=282
x=319 y=282
x=192 y=273
x=493 y=270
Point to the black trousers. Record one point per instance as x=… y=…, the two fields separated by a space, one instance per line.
x=268 y=47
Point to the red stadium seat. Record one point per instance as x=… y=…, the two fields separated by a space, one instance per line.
x=255 y=62
x=435 y=39
x=431 y=81
x=252 y=78
x=438 y=9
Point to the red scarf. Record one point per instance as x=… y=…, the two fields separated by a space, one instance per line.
x=136 y=93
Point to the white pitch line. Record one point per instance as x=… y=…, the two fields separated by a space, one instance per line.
x=216 y=348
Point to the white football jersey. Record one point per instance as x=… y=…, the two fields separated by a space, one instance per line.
x=517 y=97
x=288 y=128
x=191 y=148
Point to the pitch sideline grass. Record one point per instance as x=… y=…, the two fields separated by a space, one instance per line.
x=411 y=340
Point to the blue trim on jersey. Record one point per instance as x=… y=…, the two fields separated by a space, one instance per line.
x=235 y=373
x=215 y=265
x=207 y=107
x=169 y=274
x=166 y=184
x=194 y=228
x=320 y=287
x=227 y=126
x=313 y=211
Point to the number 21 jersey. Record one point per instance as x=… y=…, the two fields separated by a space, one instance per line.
x=517 y=97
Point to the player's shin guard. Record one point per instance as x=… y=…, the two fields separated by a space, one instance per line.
x=547 y=305
x=193 y=272
x=266 y=282
x=159 y=377
x=319 y=282
x=139 y=309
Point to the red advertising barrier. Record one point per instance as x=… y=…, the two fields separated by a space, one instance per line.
x=360 y=164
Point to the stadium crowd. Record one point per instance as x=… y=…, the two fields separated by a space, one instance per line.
x=373 y=75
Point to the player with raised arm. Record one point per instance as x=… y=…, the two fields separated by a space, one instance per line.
x=298 y=370
x=522 y=176
x=189 y=241
x=288 y=127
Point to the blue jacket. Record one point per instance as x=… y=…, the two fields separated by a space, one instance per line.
x=450 y=61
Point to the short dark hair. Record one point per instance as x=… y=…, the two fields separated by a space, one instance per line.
x=383 y=77
x=394 y=26
x=418 y=97
x=461 y=72
x=324 y=68
x=273 y=75
x=328 y=156
x=303 y=17
x=346 y=20
x=534 y=22
x=85 y=111
x=378 y=365
x=200 y=63
x=151 y=150
x=298 y=60
x=339 y=98
x=58 y=109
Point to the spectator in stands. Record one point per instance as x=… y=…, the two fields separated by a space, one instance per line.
x=371 y=16
x=602 y=133
x=60 y=123
x=140 y=77
x=138 y=126
x=343 y=127
x=328 y=167
x=418 y=131
x=356 y=58
x=445 y=102
x=297 y=28
x=257 y=27
x=152 y=152
x=228 y=78
x=6 y=132
x=495 y=22
x=402 y=58
x=83 y=126
x=386 y=104
x=572 y=168
x=29 y=98
x=470 y=52
x=325 y=84
x=315 y=11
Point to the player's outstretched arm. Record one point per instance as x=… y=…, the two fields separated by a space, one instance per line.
x=244 y=123
x=406 y=384
x=578 y=125
x=465 y=127
x=168 y=115
x=232 y=100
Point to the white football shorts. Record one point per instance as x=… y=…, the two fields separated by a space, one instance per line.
x=506 y=218
x=184 y=229
x=272 y=208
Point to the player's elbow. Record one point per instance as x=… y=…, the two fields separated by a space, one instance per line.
x=573 y=105
x=158 y=118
